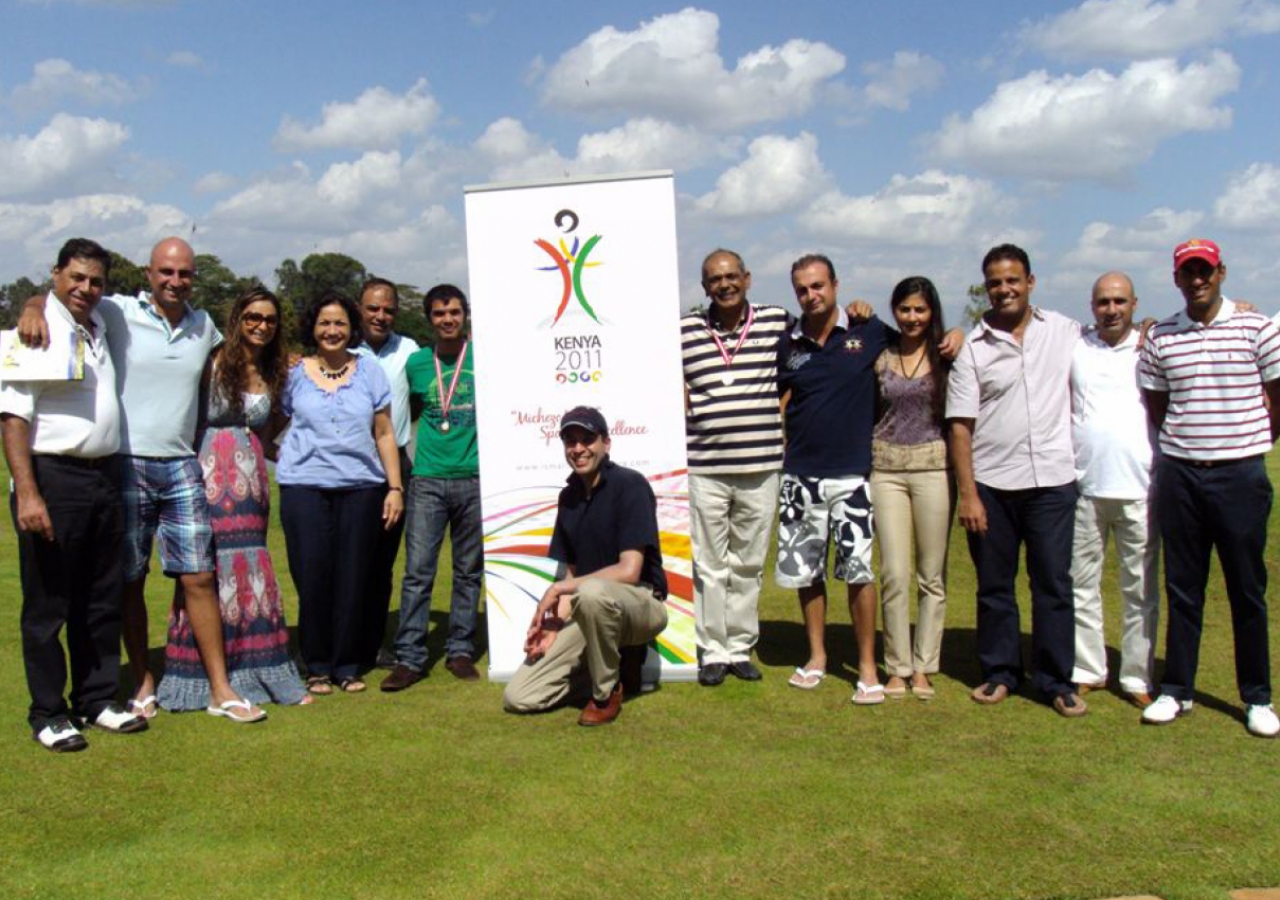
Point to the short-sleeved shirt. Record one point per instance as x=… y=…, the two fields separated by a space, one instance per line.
x=1110 y=430
x=1213 y=375
x=330 y=439
x=1019 y=396
x=70 y=418
x=736 y=427
x=444 y=454
x=393 y=355
x=832 y=406
x=158 y=368
x=621 y=514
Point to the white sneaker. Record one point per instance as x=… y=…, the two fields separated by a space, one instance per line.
x=1165 y=710
x=60 y=736
x=1261 y=720
x=114 y=718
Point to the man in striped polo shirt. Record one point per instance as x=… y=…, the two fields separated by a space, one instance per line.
x=735 y=452
x=1205 y=372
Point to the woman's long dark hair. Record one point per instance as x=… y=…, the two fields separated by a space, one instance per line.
x=938 y=367
x=231 y=374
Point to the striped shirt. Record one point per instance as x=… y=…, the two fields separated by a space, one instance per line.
x=733 y=428
x=1213 y=375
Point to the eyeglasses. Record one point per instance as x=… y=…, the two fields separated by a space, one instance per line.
x=253 y=320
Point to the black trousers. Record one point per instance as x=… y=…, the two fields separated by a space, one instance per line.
x=1222 y=507
x=1044 y=520
x=331 y=536
x=381 y=572
x=73 y=581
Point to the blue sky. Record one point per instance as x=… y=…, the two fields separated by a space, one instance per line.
x=899 y=139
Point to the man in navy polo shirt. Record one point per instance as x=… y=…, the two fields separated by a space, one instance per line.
x=611 y=594
x=827 y=372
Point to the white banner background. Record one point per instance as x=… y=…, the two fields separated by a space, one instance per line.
x=575 y=300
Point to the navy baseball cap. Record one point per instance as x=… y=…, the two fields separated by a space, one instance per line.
x=585 y=417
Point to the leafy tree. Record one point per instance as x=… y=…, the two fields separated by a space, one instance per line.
x=412 y=320
x=976 y=305
x=14 y=294
x=216 y=287
x=126 y=277
x=318 y=273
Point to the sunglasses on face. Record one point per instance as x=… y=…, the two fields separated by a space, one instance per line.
x=253 y=320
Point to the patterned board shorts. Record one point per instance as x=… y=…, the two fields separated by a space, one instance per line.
x=809 y=508
x=164 y=496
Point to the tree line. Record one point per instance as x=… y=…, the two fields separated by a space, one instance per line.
x=216 y=287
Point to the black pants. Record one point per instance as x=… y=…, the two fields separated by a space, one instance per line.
x=1223 y=507
x=74 y=580
x=1044 y=520
x=331 y=536
x=381 y=572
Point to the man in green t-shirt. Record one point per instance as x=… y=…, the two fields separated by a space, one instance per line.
x=444 y=491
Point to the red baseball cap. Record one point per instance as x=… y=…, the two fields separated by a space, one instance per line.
x=1197 y=248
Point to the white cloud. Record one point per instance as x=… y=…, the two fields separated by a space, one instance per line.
x=514 y=153
x=779 y=175
x=184 y=59
x=1146 y=29
x=891 y=84
x=481 y=19
x=1251 y=200
x=933 y=208
x=31 y=233
x=68 y=155
x=349 y=185
x=670 y=67
x=1103 y=246
x=1095 y=126
x=214 y=183
x=55 y=81
x=375 y=120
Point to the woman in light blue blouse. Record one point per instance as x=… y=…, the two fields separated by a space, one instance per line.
x=339 y=476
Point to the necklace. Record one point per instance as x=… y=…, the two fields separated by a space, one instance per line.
x=915 y=371
x=333 y=374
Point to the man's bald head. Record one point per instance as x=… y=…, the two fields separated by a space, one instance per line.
x=171 y=274
x=1113 y=304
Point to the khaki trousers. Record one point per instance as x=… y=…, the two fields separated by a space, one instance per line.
x=731 y=517
x=605 y=616
x=1138 y=553
x=913 y=508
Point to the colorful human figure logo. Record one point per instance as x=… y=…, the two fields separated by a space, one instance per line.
x=569 y=261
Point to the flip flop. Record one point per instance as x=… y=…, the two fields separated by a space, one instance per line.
x=868 y=694
x=319 y=685
x=227 y=708
x=806 y=679
x=140 y=707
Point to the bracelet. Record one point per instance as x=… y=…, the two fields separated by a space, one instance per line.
x=400 y=489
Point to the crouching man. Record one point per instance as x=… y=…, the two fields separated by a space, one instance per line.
x=596 y=620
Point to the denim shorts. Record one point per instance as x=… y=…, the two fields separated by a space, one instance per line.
x=165 y=497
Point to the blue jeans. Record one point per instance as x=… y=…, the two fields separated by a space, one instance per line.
x=434 y=503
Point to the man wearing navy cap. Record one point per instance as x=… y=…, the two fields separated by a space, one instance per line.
x=1211 y=376
x=611 y=592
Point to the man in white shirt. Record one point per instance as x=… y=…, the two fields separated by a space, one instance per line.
x=1113 y=444
x=379 y=306
x=58 y=439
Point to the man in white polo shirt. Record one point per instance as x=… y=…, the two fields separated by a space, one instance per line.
x=1113 y=451
x=159 y=346
x=58 y=439
x=379 y=306
x=1211 y=375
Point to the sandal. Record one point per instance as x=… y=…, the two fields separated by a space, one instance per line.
x=146 y=707
x=351 y=685
x=868 y=694
x=806 y=679
x=319 y=685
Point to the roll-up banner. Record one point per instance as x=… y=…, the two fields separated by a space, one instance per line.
x=575 y=300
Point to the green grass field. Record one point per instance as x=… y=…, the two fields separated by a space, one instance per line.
x=745 y=791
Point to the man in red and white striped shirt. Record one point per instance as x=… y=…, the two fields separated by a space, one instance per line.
x=1205 y=371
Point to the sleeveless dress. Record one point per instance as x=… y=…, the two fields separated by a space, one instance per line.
x=253 y=625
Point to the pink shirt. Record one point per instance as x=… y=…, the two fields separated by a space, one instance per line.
x=1019 y=396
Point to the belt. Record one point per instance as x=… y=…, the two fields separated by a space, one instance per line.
x=79 y=462
x=1212 y=463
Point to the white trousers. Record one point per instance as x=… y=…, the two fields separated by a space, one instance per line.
x=1137 y=551
x=730 y=517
